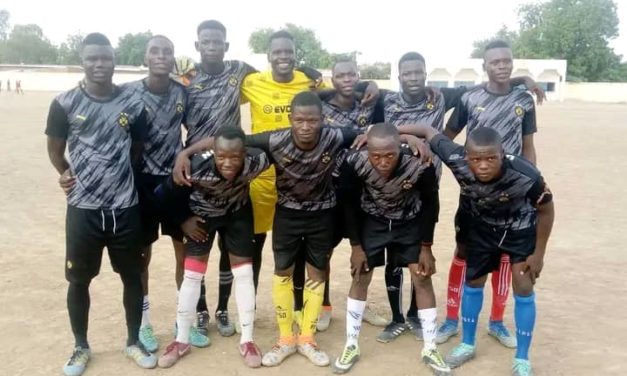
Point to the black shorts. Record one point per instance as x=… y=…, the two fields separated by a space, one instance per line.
x=485 y=245
x=236 y=231
x=152 y=213
x=463 y=219
x=400 y=238
x=296 y=231
x=88 y=231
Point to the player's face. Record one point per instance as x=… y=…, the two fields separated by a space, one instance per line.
x=412 y=75
x=98 y=63
x=498 y=64
x=212 y=45
x=229 y=156
x=159 y=57
x=383 y=154
x=485 y=162
x=306 y=123
x=344 y=78
x=282 y=56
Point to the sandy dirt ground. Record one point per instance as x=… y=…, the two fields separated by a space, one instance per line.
x=580 y=148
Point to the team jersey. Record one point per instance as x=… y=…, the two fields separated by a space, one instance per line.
x=513 y=115
x=506 y=203
x=214 y=100
x=164 y=113
x=357 y=118
x=99 y=134
x=303 y=179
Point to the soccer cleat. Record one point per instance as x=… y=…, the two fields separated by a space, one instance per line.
x=225 y=326
x=521 y=367
x=148 y=339
x=460 y=355
x=202 y=323
x=434 y=360
x=312 y=352
x=499 y=331
x=447 y=330
x=173 y=353
x=277 y=354
x=414 y=326
x=373 y=318
x=324 y=319
x=197 y=339
x=141 y=356
x=251 y=354
x=347 y=360
x=75 y=366
x=391 y=332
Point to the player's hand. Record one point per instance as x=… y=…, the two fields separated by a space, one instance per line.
x=419 y=147
x=359 y=261
x=360 y=141
x=426 y=262
x=191 y=228
x=67 y=181
x=533 y=265
x=533 y=86
x=181 y=171
x=371 y=95
x=432 y=93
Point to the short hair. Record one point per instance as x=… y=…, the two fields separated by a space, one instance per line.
x=281 y=34
x=97 y=39
x=342 y=61
x=383 y=130
x=411 y=56
x=484 y=136
x=497 y=43
x=159 y=36
x=211 y=25
x=306 y=98
x=230 y=132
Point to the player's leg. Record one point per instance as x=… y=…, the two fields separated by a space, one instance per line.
x=525 y=317
x=324 y=320
x=259 y=241
x=224 y=324
x=501 y=279
x=299 y=284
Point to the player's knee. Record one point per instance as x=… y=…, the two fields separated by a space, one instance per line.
x=194 y=268
x=477 y=283
x=460 y=251
x=521 y=284
x=243 y=273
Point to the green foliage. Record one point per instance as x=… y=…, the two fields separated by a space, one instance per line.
x=69 y=52
x=132 y=48
x=27 y=44
x=376 y=71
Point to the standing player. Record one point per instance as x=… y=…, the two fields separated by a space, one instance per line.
x=219 y=202
x=510 y=111
x=101 y=125
x=399 y=203
x=18 y=87
x=165 y=102
x=510 y=210
x=8 y=85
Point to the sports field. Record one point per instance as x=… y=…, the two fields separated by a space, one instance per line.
x=581 y=327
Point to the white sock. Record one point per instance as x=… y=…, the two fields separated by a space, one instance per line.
x=354 y=314
x=245 y=299
x=428 y=321
x=145 y=312
x=186 y=307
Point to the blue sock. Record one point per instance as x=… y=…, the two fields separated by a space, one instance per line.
x=525 y=315
x=472 y=300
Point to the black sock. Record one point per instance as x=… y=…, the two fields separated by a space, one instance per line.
x=78 y=308
x=413 y=306
x=299 y=279
x=260 y=240
x=201 y=306
x=133 y=301
x=326 y=301
x=225 y=283
x=394 y=283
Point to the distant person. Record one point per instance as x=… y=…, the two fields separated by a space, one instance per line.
x=18 y=87
x=0 y=86
x=8 y=85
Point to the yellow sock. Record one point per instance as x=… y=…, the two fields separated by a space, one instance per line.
x=312 y=304
x=283 y=299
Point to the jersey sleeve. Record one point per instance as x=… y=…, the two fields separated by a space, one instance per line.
x=452 y=96
x=529 y=121
x=350 y=203
x=539 y=193
x=139 y=128
x=259 y=162
x=348 y=136
x=459 y=118
x=447 y=150
x=430 y=209
x=57 y=124
x=247 y=69
x=378 y=115
x=259 y=141
x=311 y=73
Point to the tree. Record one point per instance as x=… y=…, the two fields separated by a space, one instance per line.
x=503 y=34
x=376 y=71
x=69 y=52
x=132 y=48
x=28 y=45
x=4 y=24
x=309 y=50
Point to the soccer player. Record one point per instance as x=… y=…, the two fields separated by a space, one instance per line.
x=18 y=87
x=510 y=210
x=165 y=101
x=101 y=125
x=511 y=111
x=397 y=211
x=219 y=202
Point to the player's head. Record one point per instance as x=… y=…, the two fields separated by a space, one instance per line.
x=383 y=148
x=282 y=53
x=229 y=151
x=211 y=42
x=498 y=61
x=484 y=153
x=306 y=118
x=159 y=56
x=412 y=73
x=98 y=58
x=344 y=77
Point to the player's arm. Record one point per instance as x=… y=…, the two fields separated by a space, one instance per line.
x=419 y=130
x=57 y=127
x=531 y=85
x=529 y=127
x=259 y=162
x=429 y=212
x=452 y=96
x=457 y=121
x=182 y=167
x=353 y=221
x=139 y=133
x=545 y=211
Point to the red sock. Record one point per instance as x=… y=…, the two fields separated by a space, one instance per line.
x=455 y=284
x=501 y=280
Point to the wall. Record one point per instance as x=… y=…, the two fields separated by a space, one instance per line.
x=608 y=92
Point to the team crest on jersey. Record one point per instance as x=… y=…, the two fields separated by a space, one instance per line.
x=326 y=158
x=123 y=119
x=406 y=185
x=518 y=110
x=429 y=106
x=68 y=264
x=286 y=160
x=504 y=197
x=179 y=107
x=362 y=121
x=233 y=81
x=198 y=86
x=480 y=109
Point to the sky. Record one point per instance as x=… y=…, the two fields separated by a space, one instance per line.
x=442 y=29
